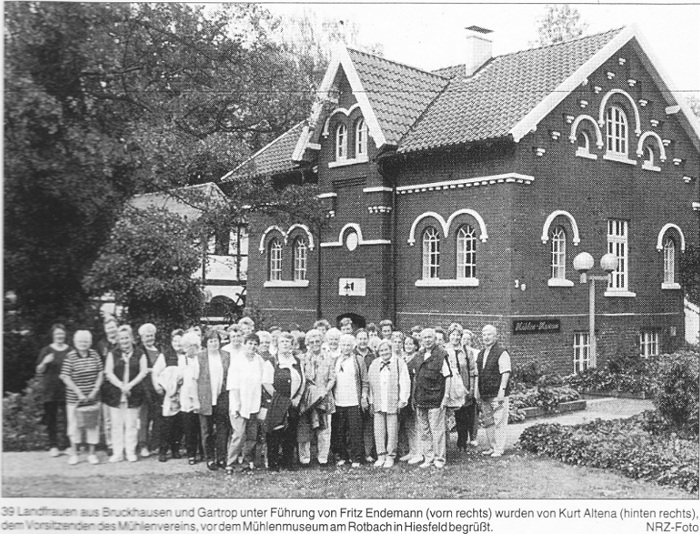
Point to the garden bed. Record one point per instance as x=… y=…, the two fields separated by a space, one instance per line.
x=637 y=395
x=563 y=407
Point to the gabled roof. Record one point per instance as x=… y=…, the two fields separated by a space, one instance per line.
x=273 y=158
x=189 y=201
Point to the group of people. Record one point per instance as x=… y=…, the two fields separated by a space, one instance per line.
x=349 y=396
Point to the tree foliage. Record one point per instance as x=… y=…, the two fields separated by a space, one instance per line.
x=560 y=23
x=690 y=272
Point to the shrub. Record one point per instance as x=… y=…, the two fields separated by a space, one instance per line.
x=529 y=371
x=22 y=425
x=621 y=373
x=677 y=398
x=623 y=445
x=548 y=398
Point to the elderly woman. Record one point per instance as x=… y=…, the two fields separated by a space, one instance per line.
x=471 y=422
x=188 y=347
x=362 y=348
x=214 y=422
x=81 y=373
x=460 y=371
x=351 y=397
x=409 y=438
x=318 y=404
x=149 y=413
x=389 y=391
x=288 y=381
x=125 y=369
x=48 y=366
x=330 y=342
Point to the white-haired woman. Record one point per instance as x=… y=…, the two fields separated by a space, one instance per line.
x=125 y=369
x=149 y=413
x=81 y=372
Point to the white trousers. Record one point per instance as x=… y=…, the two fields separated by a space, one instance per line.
x=431 y=422
x=495 y=420
x=323 y=443
x=125 y=430
x=386 y=433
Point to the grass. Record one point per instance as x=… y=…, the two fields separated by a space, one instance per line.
x=517 y=475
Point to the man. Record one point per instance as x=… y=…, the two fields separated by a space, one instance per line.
x=346 y=325
x=247 y=376
x=492 y=389
x=386 y=327
x=429 y=398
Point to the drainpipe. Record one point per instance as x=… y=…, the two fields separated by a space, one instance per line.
x=381 y=161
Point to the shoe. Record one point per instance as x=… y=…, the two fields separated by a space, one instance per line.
x=369 y=459
x=73 y=459
x=341 y=463
x=192 y=460
x=474 y=443
x=487 y=452
x=248 y=468
x=176 y=455
x=229 y=470
x=92 y=459
x=212 y=466
x=388 y=463
x=54 y=452
x=162 y=457
x=380 y=461
x=426 y=464
x=355 y=464
x=323 y=465
x=145 y=453
x=406 y=457
x=304 y=465
x=415 y=460
x=439 y=464
x=115 y=459
x=132 y=458
x=495 y=454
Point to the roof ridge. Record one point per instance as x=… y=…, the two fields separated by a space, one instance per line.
x=423 y=71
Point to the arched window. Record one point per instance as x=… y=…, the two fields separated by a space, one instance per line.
x=431 y=253
x=299 y=255
x=360 y=138
x=649 y=156
x=466 y=252
x=341 y=142
x=583 y=141
x=616 y=131
x=274 y=260
x=558 y=243
x=669 y=261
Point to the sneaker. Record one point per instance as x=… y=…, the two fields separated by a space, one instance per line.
x=229 y=470
x=388 y=463
x=426 y=464
x=439 y=464
x=495 y=454
x=340 y=463
x=132 y=458
x=92 y=459
x=474 y=443
x=54 y=452
x=115 y=459
x=406 y=457
x=380 y=461
x=162 y=457
x=355 y=464
x=369 y=459
x=145 y=453
x=248 y=468
x=487 y=452
x=73 y=459
x=415 y=460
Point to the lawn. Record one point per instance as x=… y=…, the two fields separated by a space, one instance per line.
x=469 y=476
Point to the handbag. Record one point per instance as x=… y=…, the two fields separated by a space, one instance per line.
x=87 y=416
x=276 y=417
x=456 y=392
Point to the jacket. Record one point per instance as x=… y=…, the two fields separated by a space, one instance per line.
x=204 y=383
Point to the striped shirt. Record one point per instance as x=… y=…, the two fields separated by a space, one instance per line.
x=84 y=371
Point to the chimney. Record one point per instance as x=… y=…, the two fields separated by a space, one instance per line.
x=479 y=48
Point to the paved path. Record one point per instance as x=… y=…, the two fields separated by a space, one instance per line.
x=34 y=464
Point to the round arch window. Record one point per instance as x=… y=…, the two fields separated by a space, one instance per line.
x=351 y=240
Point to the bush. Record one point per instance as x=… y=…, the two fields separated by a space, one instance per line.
x=623 y=445
x=546 y=397
x=677 y=398
x=22 y=424
x=529 y=371
x=621 y=373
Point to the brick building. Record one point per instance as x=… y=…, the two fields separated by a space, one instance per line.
x=464 y=194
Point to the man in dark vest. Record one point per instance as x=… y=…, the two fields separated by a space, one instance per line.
x=493 y=389
x=429 y=397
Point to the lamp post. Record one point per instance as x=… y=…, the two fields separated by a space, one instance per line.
x=583 y=263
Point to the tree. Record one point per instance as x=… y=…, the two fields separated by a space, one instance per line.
x=560 y=23
x=147 y=264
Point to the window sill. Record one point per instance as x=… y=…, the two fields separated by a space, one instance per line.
x=286 y=283
x=619 y=158
x=585 y=154
x=619 y=293
x=648 y=167
x=346 y=162
x=455 y=282
x=559 y=282
x=670 y=285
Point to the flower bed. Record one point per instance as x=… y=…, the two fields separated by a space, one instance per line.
x=628 y=446
x=545 y=399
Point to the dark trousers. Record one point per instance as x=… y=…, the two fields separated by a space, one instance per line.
x=190 y=428
x=368 y=433
x=51 y=409
x=281 y=443
x=215 y=429
x=348 y=437
x=169 y=432
x=465 y=421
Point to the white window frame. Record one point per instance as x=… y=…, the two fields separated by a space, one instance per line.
x=649 y=164
x=585 y=150
x=466 y=252
x=274 y=260
x=558 y=253
x=582 y=351
x=431 y=253
x=648 y=343
x=360 y=138
x=299 y=253
x=618 y=244
x=616 y=132
x=669 y=261
x=341 y=142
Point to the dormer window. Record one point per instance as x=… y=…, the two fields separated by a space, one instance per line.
x=360 y=138
x=616 y=131
x=341 y=142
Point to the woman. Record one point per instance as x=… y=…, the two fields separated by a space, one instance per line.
x=149 y=412
x=397 y=339
x=214 y=423
x=389 y=391
x=53 y=394
x=125 y=369
x=459 y=367
x=471 y=422
x=81 y=373
x=288 y=381
x=330 y=342
x=408 y=430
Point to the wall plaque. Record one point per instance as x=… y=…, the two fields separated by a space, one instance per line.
x=352 y=287
x=536 y=326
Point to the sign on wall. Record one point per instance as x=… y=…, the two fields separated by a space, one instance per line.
x=536 y=326
x=352 y=287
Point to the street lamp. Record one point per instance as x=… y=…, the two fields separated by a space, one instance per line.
x=583 y=263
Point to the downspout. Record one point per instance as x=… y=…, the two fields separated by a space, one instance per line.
x=381 y=160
